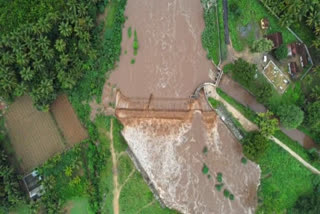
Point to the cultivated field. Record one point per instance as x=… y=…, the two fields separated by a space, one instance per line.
x=68 y=121
x=33 y=134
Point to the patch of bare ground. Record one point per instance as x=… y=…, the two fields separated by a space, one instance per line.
x=171 y=153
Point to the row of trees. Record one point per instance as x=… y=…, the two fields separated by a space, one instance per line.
x=297 y=11
x=50 y=55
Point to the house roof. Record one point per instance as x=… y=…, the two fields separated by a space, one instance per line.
x=294 y=68
x=276 y=38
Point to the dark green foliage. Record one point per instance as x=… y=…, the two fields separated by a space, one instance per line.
x=264 y=92
x=231 y=197
x=210 y=36
x=281 y=52
x=10 y=190
x=205 y=150
x=133 y=61
x=49 y=55
x=254 y=145
x=243 y=72
x=135 y=43
x=209 y=176
x=244 y=160
x=214 y=103
x=291 y=116
x=205 y=169
x=219 y=177
x=226 y=193
x=313 y=116
x=129 y=32
x=219 y=187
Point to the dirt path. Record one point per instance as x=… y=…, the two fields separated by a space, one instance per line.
x=249 y=126
x=116 y=189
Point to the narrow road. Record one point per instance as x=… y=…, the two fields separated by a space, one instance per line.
x=249 y=126
x=116 y=192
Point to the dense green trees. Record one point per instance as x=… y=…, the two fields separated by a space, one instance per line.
x=254 y=145
x=243 y=72
x=313 y=116
x=262 y=45
x=291 y=116
x=267 y=123
x=281 y=52
x=47 y=56
x=296 y=11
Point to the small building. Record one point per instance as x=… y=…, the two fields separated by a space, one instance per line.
x=264 y=23
x=32 y=182
x=276 y=38
x=298 y=49
x=293 y=68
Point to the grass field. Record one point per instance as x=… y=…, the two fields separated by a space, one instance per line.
x=135 y=194
x=33 y=134
x=68 y=121
x=78 y=206
x=241 y=16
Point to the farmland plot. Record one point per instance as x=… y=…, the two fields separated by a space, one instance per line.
x=68 y=121
x=33 y=134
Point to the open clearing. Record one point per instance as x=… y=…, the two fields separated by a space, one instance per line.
x=68 y=121
x=33 y=134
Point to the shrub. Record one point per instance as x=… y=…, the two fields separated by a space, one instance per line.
x=219 y=187
x=209 y=176
x=244 y=160
x=262 y=45
x=129 y=32
x=231 y=197
x=205 y=169
x=313 y=116
x=135 y=43
x=291 y=116
x=281 y=52
x=205 y=150
x=226 y=193
x=219 y=177
x=214 y=103
x=243 y=72
x=264 y=92
x=254 y=145
x=133 y=61
x=267 y=124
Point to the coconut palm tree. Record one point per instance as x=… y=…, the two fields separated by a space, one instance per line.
x=65 y=29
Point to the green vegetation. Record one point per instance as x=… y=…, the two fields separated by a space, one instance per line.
x=254 y=145
x=214 y=103
x=267 y=124
x=244 y=160
x=210 y=34
x=231 y=197
x=205 y=150
x=291 y=116
x=226 y=193
x=262 y=45
x=219 y=187
x=205 y=169
x=129 y=32
x=219 y=177
x=313 y=116
x=281 y=52
x=244 y=24
x=135 y=43
x=80 y=206
x=133 y=61
x=44 y=57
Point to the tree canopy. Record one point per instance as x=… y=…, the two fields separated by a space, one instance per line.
x=243 y=71
x=291 y=116
x=313 y=116
x=50 y=55
x=262 y=45
x=267 y=123
x=254 y=145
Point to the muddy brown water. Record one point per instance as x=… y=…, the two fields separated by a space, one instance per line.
x=170 y=61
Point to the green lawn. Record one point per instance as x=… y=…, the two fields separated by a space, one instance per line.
x=244 y=23
x=285 y=180
x=80 y=206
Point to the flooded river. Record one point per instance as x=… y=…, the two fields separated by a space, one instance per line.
x=170 y=61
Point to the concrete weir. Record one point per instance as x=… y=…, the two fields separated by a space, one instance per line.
x=167 y=148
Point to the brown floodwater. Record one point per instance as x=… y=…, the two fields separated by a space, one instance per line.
x=170 y=61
